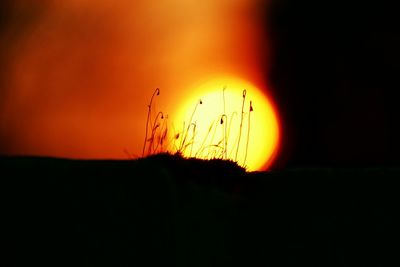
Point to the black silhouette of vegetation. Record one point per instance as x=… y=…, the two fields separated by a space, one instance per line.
x=186 y=138
x=241 y=124
x=148 y=121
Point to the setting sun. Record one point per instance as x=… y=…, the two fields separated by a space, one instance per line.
x=227 y=118
x=82 y=92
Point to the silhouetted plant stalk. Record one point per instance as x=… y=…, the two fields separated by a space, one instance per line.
x=219 y=148
x=179 y=135
x=192 y=142
x=248 y=133
x=224 y=114
x=186 y=145
x=169 y=142
x=199 y=152
x=212 y=139
x=128 y=154
x=229 y=130
x=185 y=133
x=224 y=124
x=176 y=137
x=156 y=92
x=162 y=135
x=159 y=140
x=241 y=123
x=156 y=125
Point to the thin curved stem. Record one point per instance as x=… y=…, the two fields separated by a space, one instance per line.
x=241 y=124
x=248 y=133
x=226 y=118
x=224 y=130
x=204 y=140
x=162 y=134
x=200 y=102
x=153 y=131
x=156 y=92
x=194 y=133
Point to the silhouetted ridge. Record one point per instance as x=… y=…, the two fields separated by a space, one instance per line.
x=225 y=174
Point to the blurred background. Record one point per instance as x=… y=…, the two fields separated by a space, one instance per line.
x=76 y=76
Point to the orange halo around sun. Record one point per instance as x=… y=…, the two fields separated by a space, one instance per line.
x=209 y=123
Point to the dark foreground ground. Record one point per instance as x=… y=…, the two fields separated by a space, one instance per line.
x=165 y=211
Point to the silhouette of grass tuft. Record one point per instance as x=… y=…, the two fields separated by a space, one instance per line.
x=157 y=139
x=148 y=121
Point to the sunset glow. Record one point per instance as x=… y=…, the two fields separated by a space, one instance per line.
x=211 y=123
x=80 y=73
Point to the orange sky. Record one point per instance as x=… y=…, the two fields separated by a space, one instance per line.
x=77 y=75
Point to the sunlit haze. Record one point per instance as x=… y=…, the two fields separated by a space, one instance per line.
x=227 y=118
x=80 y=74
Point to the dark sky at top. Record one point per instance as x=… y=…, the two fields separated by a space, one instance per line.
x=335 y=71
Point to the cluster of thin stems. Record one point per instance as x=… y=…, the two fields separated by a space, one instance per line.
x=156 y=133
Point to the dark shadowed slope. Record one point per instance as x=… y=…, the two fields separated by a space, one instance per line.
x=168 y=211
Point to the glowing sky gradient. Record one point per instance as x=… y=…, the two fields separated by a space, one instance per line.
x=77 y=75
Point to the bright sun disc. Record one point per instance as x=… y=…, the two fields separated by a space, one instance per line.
x=210 y=124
